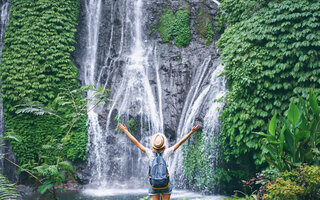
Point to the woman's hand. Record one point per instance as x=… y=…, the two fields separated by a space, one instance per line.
x=195 y=128
x=133 y=139
x=122 y=127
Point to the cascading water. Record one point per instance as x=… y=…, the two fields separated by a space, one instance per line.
x=206 y=88
x=119 y=56
x=111 y=156
x=4 y=18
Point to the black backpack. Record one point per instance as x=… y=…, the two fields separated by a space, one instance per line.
x=158 y=173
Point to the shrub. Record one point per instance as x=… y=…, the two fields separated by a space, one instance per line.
x=166 y=25
x=300 y=183
x=175 y=27
x=283 y=189
x=308 y=177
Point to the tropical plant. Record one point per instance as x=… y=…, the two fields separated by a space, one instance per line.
x=7 y=189
x=133 y=126
x=295 y=139
x=209 y=32
x=283 y=189
x=271 y=56
x=76 y=104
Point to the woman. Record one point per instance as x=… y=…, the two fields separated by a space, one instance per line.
x=158 y=142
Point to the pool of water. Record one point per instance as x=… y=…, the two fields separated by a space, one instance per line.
x=113 y=194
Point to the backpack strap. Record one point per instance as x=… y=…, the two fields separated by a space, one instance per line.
x=157 y=153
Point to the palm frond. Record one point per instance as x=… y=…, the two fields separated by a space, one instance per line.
x=7 y=189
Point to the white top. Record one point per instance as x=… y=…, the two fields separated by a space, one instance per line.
x=166 y=154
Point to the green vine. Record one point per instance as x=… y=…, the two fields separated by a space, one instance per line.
x=271 y=56
x=35 y=64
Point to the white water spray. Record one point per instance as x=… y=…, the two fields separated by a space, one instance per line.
x=127 y=71
x=199 y=95
x=132 y=99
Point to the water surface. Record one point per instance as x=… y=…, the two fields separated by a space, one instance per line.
x=114 y=194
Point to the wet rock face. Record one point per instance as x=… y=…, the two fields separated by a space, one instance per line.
x=177 y=66
x=82 y=174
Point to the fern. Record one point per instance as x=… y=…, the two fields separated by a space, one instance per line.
x=7 y=190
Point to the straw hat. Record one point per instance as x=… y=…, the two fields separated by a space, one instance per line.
x=158 y=141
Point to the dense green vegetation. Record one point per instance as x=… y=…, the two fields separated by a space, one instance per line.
x=54 y=168
x=35 y=65
x=271 y=57
x=300 y=183
x=295 y=139
x=175 y=26
x=199 y=162
x=291 y=147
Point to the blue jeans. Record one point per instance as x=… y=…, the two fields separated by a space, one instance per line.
x=162 y=191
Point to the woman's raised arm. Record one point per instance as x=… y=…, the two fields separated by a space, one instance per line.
x=133 y=139
x=195 y=128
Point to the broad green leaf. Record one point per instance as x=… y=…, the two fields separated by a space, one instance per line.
x=302 y=123
x=13 y=137
x=289 y=141
x=314 y=131
x=272 y=137
x=272 y=124
x=302 y=135
x=293 y=114
x=272 y=151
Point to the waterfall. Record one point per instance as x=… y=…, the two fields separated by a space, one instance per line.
x=4 y=19
x=119 y=56
x=111 y=155
x=4 y=22
x=206 y=88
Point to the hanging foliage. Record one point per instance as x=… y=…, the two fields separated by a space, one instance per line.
x=35 y=65
x=271 y=57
